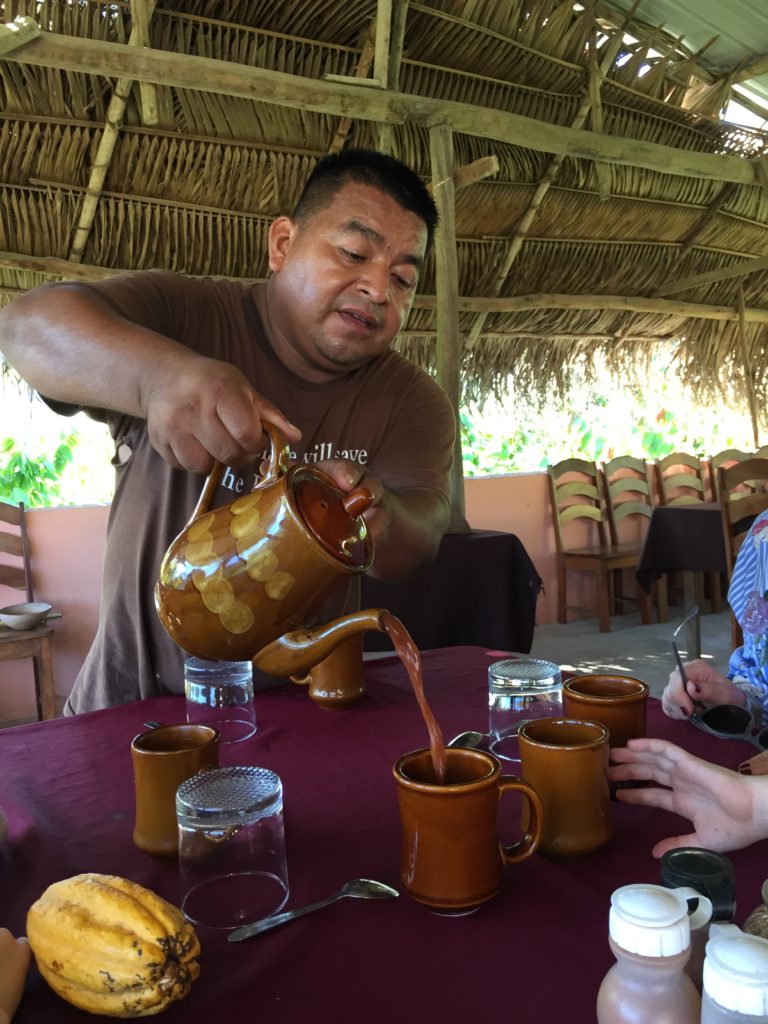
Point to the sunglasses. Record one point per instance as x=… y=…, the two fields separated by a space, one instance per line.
x=726 y=721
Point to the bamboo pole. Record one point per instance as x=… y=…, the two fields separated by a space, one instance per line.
x=749 y=375
x=104 y=152
x=361 y=71
x=205 y=74
x=596 y=76
x=441 y=156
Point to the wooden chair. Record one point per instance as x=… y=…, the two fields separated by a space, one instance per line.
x=739 y=507
x=629 y=501
x=680 y=481
x=575 y=496
x=15 y=574
x=727 y=457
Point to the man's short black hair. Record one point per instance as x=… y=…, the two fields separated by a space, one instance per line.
x=367 y=167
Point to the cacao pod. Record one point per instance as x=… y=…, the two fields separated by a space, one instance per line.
x=110 y=946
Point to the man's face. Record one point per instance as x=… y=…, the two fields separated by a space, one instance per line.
x=345 y=281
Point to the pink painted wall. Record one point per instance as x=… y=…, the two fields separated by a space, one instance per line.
x=67 y=552
x=68 y=549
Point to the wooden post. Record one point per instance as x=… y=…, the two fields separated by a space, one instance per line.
x=749 y=376
x=447 y=289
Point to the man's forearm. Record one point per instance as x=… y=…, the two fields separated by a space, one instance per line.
x=417 y=521
x=71 y=346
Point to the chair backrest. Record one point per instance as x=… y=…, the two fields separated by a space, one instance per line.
x=680 y=479
x=574 y=492
x=15 y=573
x=727 y=457
x=627 y=493
x=739 y=506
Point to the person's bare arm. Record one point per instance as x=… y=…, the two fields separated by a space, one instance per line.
x=71 y=346
x=406 y=525
x=727 y=810
x=14 y=962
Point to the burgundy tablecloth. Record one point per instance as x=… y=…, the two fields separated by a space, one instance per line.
x=537 y=952
x=682 y=538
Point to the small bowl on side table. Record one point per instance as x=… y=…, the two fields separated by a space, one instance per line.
x=28 y=615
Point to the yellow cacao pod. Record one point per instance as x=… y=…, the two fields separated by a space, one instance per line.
x=110 y=946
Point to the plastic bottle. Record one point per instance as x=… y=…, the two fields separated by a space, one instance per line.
x=735 y=977
x=650 y=936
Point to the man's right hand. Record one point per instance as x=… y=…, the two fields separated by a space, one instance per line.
x=201 y=409
x=705 y=686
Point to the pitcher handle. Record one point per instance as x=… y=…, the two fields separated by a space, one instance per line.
x=277 y=464
x=527 y=845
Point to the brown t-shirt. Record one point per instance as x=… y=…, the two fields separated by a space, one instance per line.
x=389 y=415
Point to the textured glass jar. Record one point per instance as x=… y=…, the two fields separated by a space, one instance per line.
x=220 y=694
x=520 y=689
x=232 y=859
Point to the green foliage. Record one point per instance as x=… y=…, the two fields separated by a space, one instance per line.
x=34 y=479
x=608 y=423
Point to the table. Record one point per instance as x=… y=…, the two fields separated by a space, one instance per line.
x=682 y=538
x=480 y=589
x=538 y=951
x=686 y=539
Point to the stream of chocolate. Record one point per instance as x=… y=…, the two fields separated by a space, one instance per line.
x=408 y=653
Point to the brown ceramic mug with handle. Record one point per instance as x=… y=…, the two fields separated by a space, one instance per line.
x=163 y=758
x=618 y=702
x=567 y=764
x=452 y=860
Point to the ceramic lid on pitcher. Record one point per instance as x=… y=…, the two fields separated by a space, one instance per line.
x=334 y=517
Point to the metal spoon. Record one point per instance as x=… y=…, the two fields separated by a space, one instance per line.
x=361 y=888
x=470 y=738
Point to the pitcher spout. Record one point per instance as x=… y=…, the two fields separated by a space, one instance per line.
x=295 y=653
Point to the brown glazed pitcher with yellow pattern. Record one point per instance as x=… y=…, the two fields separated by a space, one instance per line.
x=239 y=581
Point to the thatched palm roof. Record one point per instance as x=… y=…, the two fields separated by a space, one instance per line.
x=621 y=211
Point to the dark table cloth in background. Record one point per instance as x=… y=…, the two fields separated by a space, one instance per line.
x=536 y=952
x=682 y=538
x=481 y=589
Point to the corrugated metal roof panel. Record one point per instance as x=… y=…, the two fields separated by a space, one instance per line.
x=740 y=25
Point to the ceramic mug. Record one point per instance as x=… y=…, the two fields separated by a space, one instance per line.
x=566 y=762
x=452 y=860
x=163 y=758
x=618 y=702
x=337 y=680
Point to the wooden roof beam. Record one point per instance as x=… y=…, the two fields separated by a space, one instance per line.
x=205 y=74
x=16 y=33
x=382 y=37
x=465 y=304
x=141 y=15
x=710 y=276
x=396 y=44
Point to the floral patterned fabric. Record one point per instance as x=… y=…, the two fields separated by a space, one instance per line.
x=748 y=598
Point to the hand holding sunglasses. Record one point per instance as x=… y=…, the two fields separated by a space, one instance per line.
x=726 y=721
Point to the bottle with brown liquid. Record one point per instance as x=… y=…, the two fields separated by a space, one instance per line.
x=735 y=977
x=650 y=936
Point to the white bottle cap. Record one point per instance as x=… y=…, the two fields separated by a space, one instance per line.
x=736 y=971
x=650 y=920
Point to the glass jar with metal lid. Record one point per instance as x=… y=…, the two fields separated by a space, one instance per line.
x=520 y=689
